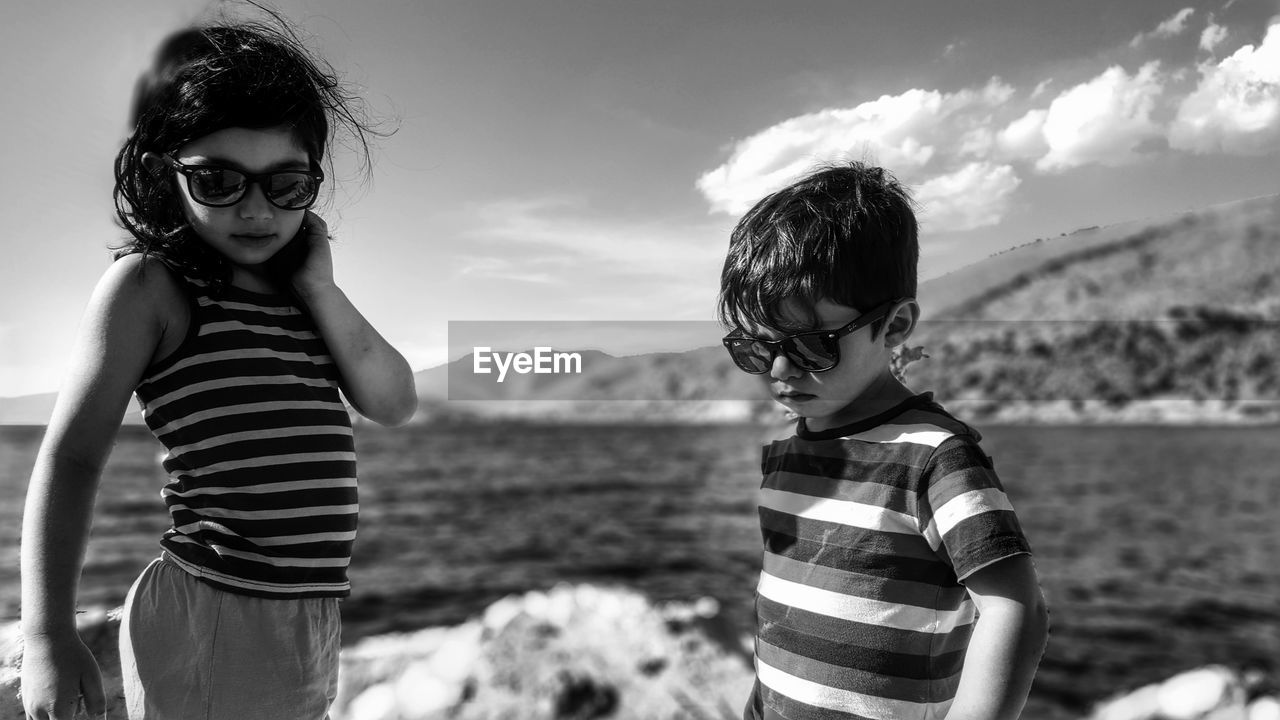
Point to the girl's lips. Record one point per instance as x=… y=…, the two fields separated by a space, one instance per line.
x=796 y=396
x=253 y=238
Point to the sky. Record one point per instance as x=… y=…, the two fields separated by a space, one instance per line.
x=585 y=160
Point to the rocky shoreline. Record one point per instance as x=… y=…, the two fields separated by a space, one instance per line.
x=1167 y=411
x=578 y=652
x=1181 y=412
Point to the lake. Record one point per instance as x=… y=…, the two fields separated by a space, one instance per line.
x=1157 y=546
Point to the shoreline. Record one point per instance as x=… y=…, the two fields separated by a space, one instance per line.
x=587 y=650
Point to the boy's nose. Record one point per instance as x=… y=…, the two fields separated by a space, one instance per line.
x=783 y=369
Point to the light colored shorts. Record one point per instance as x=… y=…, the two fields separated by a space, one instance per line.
x=189 y=651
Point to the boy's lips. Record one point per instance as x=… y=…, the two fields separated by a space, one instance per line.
x=794 y=395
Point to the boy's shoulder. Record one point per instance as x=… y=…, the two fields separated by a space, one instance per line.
x=921 y=435
x=928 y=413
x=920 y=420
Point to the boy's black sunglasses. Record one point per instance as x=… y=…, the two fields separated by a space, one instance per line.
x=815 y=351
x=215 y=186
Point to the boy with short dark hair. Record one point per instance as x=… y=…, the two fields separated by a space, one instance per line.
x=897 y=582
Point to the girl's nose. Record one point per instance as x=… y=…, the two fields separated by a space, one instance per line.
x=254 y=205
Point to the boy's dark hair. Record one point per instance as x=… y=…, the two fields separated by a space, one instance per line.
x=844 y=232
x=204 y=79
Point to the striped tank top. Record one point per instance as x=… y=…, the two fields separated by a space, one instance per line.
x=260 y=453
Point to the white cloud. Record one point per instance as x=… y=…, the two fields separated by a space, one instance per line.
x=497 y=268
x=976 y=195
x=977 y=143
x=890 y=129
x=923 y=136
x=1171 y=26
x=1235 y=108
x=541 y=232
x=1212 y=36
x=1102 y=120
x=1175 y=24
x=963 y=151
x=1024 y=138
x=555 y=243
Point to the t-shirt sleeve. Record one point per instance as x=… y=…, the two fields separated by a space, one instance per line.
x=964 y=512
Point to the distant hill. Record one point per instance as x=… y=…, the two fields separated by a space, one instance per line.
x=37 y=409
x=1226 y=255
x=1179 y=316
x=27 y=409
x=1171 y=319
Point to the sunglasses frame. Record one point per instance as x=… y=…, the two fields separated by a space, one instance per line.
x=785 y=345
x=250 y=179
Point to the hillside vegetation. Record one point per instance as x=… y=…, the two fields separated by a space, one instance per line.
x=1185 y=310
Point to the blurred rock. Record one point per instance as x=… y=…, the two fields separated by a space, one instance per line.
x=571 y=653
x=1213 y=692
x=1264 y=708
x=586 y=652
x=412 y=675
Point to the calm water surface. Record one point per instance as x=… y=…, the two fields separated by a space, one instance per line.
x=1157 y=547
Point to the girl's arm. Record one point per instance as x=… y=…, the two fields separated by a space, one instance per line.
x=376 y=378
x=1007 y=642
x=128 y=317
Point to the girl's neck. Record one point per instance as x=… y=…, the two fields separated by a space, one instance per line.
x=253 y=281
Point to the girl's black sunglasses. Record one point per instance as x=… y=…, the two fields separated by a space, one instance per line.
x=815 y=351
x=215 y=186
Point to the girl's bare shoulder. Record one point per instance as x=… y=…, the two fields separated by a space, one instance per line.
x=136 y=278
x=144 y=289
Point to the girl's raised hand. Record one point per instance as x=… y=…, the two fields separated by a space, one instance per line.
x=316 y=271
x=56 y=673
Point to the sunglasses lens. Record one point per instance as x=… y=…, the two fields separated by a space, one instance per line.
x=813 y=352
x=292 y=191
x=216 y=186
x=749 y=355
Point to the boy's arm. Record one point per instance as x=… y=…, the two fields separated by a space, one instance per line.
x=376 y=378
x=1007 y=643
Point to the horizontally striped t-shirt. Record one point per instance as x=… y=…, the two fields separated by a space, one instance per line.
x=868 y=531
x=261 y=458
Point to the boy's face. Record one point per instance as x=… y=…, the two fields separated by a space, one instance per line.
x=860 y=385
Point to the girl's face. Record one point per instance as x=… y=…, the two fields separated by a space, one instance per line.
x=249 y=232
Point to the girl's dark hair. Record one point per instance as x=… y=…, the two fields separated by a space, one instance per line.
x=844 y=232
x=235 y=74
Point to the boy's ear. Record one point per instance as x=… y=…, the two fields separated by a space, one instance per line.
x=901 y=322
